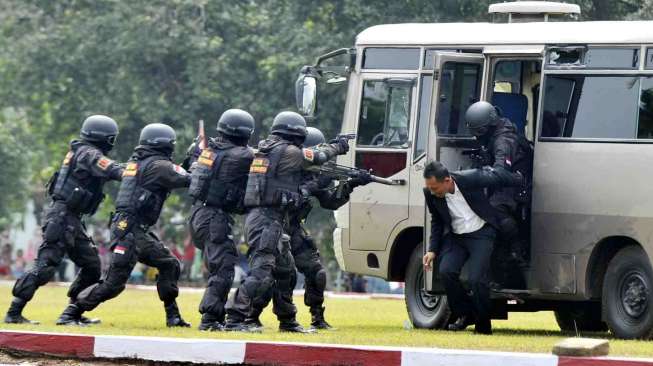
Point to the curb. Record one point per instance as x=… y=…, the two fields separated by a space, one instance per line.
x=269 y=353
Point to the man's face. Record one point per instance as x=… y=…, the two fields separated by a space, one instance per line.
x=438 y=188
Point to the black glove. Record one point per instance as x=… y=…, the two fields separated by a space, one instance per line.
x=361 y=179
x=342 y=146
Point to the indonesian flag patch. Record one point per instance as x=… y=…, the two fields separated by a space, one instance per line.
x=308 y=154
x=119 y=249
x=179 y=170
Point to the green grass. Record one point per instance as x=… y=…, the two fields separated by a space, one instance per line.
x=363 y=322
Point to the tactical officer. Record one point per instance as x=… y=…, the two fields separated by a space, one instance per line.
x=272 y=194
x=76 y=190
x=303 y=248
x=218 y=182
x=509 y=151
x=149 y=177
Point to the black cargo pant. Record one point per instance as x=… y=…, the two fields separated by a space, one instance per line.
x=139 y=245
x=210 y=229
x=272 y=270
x=63 y=233
x=455 y=250
x=307 y=260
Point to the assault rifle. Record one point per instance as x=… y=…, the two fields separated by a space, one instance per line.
x=343 y=174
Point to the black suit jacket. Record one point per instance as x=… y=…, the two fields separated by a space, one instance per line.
x=472 y=184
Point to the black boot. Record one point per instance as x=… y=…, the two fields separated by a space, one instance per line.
x=173 y=318
x=71 y=316
x=291 y=326
x=210 y=323
x=253 y=320
x=317 y=318
x=14 y=314
x=236 y=325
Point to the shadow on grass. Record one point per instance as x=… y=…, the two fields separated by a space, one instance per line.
x=549 y=333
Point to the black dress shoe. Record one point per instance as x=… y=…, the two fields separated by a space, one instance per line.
x=461 y=323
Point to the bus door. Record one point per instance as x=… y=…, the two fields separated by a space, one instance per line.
x=457 y=84
x=382 y=146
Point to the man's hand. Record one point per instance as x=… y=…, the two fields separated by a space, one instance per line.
x=427 y=260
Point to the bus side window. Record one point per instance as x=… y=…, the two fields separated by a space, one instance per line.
x=459 y=88
x=385 y=115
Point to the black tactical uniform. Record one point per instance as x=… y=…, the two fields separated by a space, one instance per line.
x=303 y=248
x=76 y=190
x=149 y=177
x=508 y=151
x=219 y=179
x=272 y=193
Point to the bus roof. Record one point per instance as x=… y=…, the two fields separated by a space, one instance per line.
x=416 y=34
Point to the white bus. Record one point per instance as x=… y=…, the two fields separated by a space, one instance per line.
x=582 y=92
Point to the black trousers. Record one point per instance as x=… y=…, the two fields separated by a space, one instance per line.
x=307 y=260
x=137 y=246
x=210 y=228
x=272 y=270
x=63 y=233
x=476 y=249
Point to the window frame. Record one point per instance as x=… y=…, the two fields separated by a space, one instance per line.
x=380 y=76
x=418 y=65
x=586 y=49
x=590 y=72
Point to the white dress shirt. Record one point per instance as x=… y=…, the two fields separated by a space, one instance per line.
x=463 y=219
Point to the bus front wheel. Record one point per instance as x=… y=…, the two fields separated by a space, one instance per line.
x=424 y=310
x=628 y=294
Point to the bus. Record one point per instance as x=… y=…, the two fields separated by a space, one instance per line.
x=581 y=92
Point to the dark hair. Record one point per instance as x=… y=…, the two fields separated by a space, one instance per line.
x=436 y=170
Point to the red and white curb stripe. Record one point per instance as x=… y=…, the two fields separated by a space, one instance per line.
x=269 y=353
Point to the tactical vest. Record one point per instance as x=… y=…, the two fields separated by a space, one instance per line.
x=214 y=186
x=265 y=187
x=81 y=195
x=141 y=203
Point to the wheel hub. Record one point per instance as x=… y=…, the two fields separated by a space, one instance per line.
x=634 y=294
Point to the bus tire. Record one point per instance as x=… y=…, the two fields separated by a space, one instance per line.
x=584 y=317
x=424 y=310
x=628 y=294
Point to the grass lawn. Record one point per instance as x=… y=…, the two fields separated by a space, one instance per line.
x=364 y=322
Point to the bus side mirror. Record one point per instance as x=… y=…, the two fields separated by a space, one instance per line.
x=306 y=94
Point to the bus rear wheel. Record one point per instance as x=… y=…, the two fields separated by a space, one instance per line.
x=424 y=310
x=628 y=294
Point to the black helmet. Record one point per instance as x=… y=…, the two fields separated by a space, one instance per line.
x=289 y=123
x=479 y=117
x=314 y=137
x=100 y=129
x=236 y=123
x=158 y=135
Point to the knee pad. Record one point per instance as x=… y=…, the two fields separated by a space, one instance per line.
x=170 y=271
x=25 y=286
x=259 y=291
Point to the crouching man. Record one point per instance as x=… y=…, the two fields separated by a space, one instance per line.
x=463 y=228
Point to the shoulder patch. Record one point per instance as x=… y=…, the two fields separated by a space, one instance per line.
x=308 y=154
x=207 y=158
x=66 y=160
x=104 y=163
x=259 y=165
x=130 y=170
